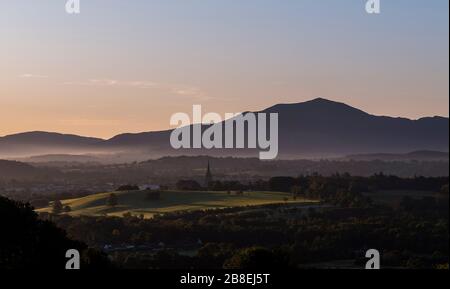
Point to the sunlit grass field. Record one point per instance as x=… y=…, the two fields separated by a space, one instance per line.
x=136 y=203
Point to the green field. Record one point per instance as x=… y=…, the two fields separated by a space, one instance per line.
x=136 y=203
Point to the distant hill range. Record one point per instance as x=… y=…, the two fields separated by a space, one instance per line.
x=63 y=158
x=413 y=156
x=38 y=143
x=16 y=170
x=318 y=128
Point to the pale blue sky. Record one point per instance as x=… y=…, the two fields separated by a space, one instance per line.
x=124 y=65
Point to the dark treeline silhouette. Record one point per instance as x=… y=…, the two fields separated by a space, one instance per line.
x=342 y=189
x=188 y=185
x=303 y=184
x=286 y=183
x=127 y=188
x=27 y=242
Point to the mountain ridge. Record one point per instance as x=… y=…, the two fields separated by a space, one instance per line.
x=319 y=127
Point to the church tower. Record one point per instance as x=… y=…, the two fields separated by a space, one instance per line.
x=208 y=177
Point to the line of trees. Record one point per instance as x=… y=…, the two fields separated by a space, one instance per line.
x=28 y=242
x=302 y=184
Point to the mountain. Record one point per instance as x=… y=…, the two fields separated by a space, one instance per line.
x=158 y=139
x=321 y=126
x=38 y=142
x=63 y=158
x=48 y=138
x=324 y=128
x=314 y=129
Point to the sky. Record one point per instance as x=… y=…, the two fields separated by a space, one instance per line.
x=128 y=65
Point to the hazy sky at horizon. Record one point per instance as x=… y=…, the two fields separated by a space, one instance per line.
x=127 y=66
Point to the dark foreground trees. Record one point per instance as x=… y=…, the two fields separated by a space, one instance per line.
x=29 y=243
x=256 y=258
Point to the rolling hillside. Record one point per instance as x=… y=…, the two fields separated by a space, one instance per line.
x=10 y=170
x=40 y=143
x=135 y=202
